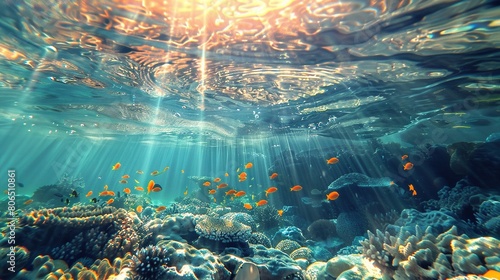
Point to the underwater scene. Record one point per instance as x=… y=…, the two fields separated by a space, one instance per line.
x=249 y=139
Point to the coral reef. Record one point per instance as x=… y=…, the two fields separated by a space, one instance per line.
x=266 y=217
x=260 y=238
x=179 y=227
x=291 y=232
x=351 y=224
x=287 y=246
x=425 y=256
x=488 y=216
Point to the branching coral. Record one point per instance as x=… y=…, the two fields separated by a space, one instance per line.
x=425 y=256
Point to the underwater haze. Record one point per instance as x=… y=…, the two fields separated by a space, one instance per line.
x=261 y=139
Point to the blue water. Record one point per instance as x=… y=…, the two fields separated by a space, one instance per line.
x=205 y=89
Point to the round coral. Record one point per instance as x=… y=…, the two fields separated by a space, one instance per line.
x=321 y=229
x=149 y=263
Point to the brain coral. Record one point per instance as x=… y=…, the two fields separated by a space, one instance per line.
x=223 y=230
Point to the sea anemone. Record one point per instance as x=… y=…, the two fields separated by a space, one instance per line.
x=149 y=263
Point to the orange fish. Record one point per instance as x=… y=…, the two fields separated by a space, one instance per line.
x=249 y=165
x=27 y=202
x=139 y=188
x=107 y=193
x=271 y=190
x=123 y=181
x=248 y=206
x=89 y=193
x=139 y=172
x=403 y=157
x=110 y=201
x=139 y=209
x=116 y=166
x=414 y=193
x=240 y=194
x=154 y=173
x=273 y=176
x=280 y=212
x=161 y=208
x=408 y=166
x=212 y=191
x=126 y=176
x=217 y=180
x=411 y=187
x=156 y=189
x=151 y=185
x=332 y=160
x=332 y=196
x=296 y=188
x=206 y=184
x=221 y=186
x=261 y=202
x=230 y=192
x=242 y=176
x=226 y=174
x=126 y=190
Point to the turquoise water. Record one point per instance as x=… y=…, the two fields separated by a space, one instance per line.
x=196 y=91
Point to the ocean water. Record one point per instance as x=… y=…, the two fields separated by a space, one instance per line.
x=127 y=126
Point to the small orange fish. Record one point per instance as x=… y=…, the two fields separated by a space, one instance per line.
x=139 y=209
x=261 y=202
x=110 y=201
x=332 y=160
x=206 y=184
x=217 y=180
x=411 y=187
x=248 y=165
x=403 y=157
x=27 y=202
x=126 y=176
x=332 y=196
x=226 y=174
x=116 y=166
x=140 y=172
x=248 y=206
x=273 y=176
x=280 y=212
x=240 y=194
x=154 y=173
x=126 y=190
x=107 y=193
x=221 y=186
x=414 y=193
x=161 y=208
x=212 y=191
x=139 y=188
x=408 y=166
x=123 y=181
x=230 y=192
x=89 y=193
x=296 y=188
x=242 y=177
x=151 y=185
x=271 y=190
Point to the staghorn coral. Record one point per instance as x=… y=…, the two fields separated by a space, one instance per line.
x=149 y=263
x=223 y=230
x=426 y=256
